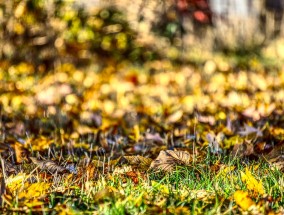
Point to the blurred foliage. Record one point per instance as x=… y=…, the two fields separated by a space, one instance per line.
x=45 y=33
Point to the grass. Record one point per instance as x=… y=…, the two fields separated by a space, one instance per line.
x=198 y=189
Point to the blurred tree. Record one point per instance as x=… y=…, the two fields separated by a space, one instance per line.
x=272 y=16
x=48 y=33
x=174 y=20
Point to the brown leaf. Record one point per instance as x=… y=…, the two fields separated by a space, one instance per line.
x=168 y=160
x=4 y=147
x=276 y=157
x=9 y=168
x=243 y=150
x=91 y=171
x=20 y=152
x=156 y=138
x=2 y=187
x=263 y=147
x=106 y=194
x=49 y=166
x=139 y=161
x=133 y=176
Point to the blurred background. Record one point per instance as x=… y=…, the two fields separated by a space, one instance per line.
x=49 y=32
x=79 y=67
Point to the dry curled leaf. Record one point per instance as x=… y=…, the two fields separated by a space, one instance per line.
x=276 y=157
x=139 y=161
x=168 y=160
x=243 y=150
x=9 y=168
x=49 y=166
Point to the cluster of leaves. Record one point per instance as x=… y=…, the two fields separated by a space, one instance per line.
x=121 y=138
x=128 y=124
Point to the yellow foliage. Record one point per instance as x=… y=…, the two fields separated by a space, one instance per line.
x=23 y=189
x=34 y=190
x=136 y=132
x=139 y=200
x=162 y=188
x=225 y=170
x=39 y=144
x=251 y=182
x=34 y=203
x=243 y=200
x=180 y=210
x=14 y=183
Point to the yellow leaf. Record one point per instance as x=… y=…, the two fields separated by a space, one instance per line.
x=243 y=200
x=33 y=203
x=251 y=182
x=162 y=188
x=34 y=190
x=180 y=210
x=40 y=143
x=225 y=170
x=15 y=183
x=139 y=200
x=18 y=28
x=20 y=10
x=136 y=132
x=174 y=117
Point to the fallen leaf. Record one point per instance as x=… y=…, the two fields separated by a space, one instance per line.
x=9 y=168
x=168 y=160
x=34 y=190
x=252 y=183
x=225 y=170
x=141 y=162
x=14 y=183
x=174 y=117
x=49 y=166
x=161 y=187
x=21 y=153
x=251 y=130
x=243 y=200
x=133 y=176
x=156 y=138
x=243 y=150
x=276 y=157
